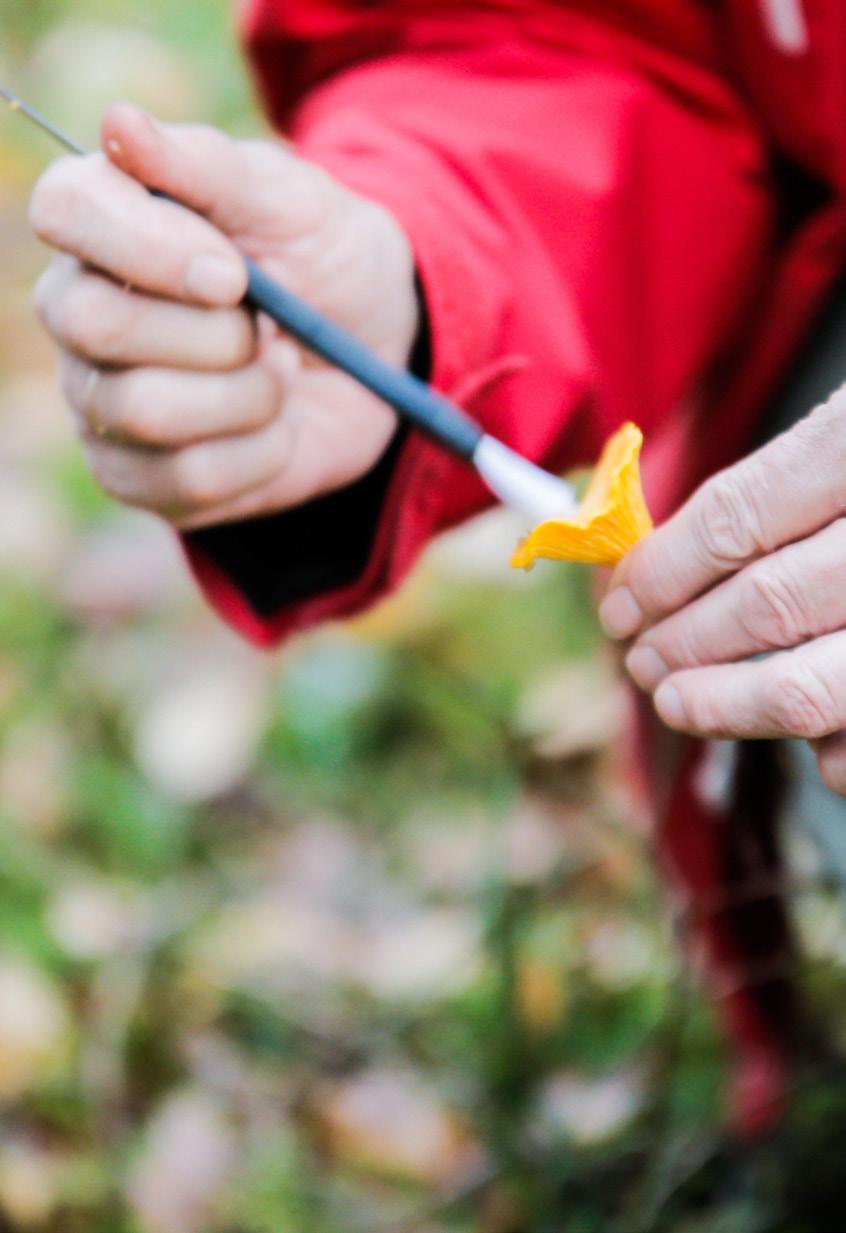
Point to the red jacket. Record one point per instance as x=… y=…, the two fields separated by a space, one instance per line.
x=620 y=209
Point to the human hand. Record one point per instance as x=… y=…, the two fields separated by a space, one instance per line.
x=754 y=562
x=185 y=405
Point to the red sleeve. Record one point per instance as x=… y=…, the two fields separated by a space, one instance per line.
x=589 y=225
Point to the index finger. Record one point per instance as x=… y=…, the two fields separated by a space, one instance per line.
x=784 y=491
x=87 y=207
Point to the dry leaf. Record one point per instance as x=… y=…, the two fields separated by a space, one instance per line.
x=590 y=1110
x=420 y=955
x=573 y=709
x=620 y=953
x=93 y=919
x=185 y=1163
x=27 y=1182
x=34 y=773
x=33 y=1026
x=390 y=1122
x=118 y=571
x=541 y=995
x=196 y=737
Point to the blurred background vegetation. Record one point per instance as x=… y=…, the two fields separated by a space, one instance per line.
x=363 y=936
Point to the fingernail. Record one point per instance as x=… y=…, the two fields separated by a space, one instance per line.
x=620 y=613
x=670 y=707
x=646 y=666
x=215 y=279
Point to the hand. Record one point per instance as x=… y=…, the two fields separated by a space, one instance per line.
x=186 y=406
x=754 y=562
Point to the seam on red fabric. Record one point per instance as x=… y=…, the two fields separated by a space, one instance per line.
x=479 y=382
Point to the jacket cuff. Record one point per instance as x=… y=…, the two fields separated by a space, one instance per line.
x=269 y=585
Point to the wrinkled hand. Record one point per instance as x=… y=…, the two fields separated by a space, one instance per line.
x=186 y=406
x=754 y=562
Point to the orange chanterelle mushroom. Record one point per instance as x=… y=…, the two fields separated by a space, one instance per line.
x=611 y=518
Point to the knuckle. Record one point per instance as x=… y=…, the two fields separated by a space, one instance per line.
x=70 y=381
x=197 y=478
x=50 y=289
x=728 y=522
x=677 y=640
x=802 y=702
x=241 y=339
x=41 y=298
x=311 y=192
x=814 y=431
x=680 y=643
x=140 y=411
x=813 y=446
x=771 y=610
x=90 y=321
x=832 y=767
x=54 y=201
x=652 y=574
x=833 y=558
x=268 y=393
x=702 y=711
x=97 y=461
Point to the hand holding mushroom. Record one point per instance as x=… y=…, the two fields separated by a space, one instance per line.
x=754 y=562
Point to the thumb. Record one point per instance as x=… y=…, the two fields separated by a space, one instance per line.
x=195 y=164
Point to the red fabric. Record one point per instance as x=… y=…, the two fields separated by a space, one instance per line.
x=560 y=192
x=589 y=190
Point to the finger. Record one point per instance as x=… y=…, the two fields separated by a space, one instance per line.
x=204 y=168
x=796 y=693
x=160 y=407
x=831 y=760
x=780 y=601
x=90 y=209
x=783 y=492
x=193 y=479
x=100 y=321
x=325 y=451
x=284 y=211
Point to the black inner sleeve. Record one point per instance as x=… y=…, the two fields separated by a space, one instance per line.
x=323 y=544
x=279 y=559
